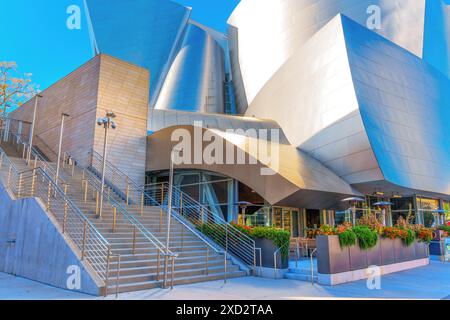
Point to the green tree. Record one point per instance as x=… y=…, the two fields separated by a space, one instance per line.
x=15 y=87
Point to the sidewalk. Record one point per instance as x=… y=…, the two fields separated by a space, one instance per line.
x=430 y=282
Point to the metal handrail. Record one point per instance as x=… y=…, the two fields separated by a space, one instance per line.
x=311 y=264
x=129 y=217
x=132 y=187
x=174 y=214
x=275 y=254
x=95 y=184
x=43 y=186
x=188 y=213
x=37 y=155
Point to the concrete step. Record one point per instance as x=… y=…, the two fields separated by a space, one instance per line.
x=126 y=270
x=144 y=277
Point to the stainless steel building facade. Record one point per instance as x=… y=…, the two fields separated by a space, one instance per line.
x=363 y=109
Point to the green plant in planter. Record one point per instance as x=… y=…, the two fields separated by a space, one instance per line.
x=347 y=238
x=367 y=238
x=281 y=238
x=409 y=239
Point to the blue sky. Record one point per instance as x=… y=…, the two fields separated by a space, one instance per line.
x=37 y=39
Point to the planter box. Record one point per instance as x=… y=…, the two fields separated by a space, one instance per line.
x=268 y=248
x=374 y=256
x=358 y=258
x=404 y=253
x=332 y=259
x=387 y=251
x=421 y=250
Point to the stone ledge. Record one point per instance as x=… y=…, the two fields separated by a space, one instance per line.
x=350 y=276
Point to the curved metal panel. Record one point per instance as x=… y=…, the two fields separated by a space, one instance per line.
x=366 y=108
x=405 y=107
x=299 y=181
x=195 y=81
x=312 y=97
x=142 y=32
x=270 y=31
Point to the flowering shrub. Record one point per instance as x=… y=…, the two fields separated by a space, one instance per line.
x=424 y=234
x=327 y=230
x=371 y=221
x=281 y=238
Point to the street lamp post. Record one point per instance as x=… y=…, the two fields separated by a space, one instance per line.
x=32 y=127
x=107 y=122
x=63 y=116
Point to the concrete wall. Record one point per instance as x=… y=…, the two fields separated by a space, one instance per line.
x=40 y=252
x=102 y=84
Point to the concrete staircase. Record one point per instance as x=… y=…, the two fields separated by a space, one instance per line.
x=140 y=261
x=196 y=261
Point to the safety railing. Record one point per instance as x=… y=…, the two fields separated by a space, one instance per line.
x=93 y=247
x=137 y=198
x=195 y=216
x=14 y=137
x=91 y=187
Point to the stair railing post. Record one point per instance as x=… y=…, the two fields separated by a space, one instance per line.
x=142 y=203
x=49 y=195
x=1 y=160
x=173 y=272
x=134 y=240
x=157 y=265
x=85 y=190
x=73 y=168
x=182 y=237
x=118 y=275
x=207 y=260
x=33 y=182
x=108 y=256
x=9 y=175
x=65 y=208
x=19 y=189
x=226 y=252
x=181 y=203
x=96 y=204
x=114 y=219
x=35 y=161
x=84 y=240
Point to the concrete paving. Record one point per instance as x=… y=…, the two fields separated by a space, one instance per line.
x=430 y=282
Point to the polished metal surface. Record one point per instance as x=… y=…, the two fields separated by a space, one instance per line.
x=186 y=60
x=405 y=107
x=366 y=108
x=195 y=81
x=142 y=32
x=265 y=33
x=298 y=180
